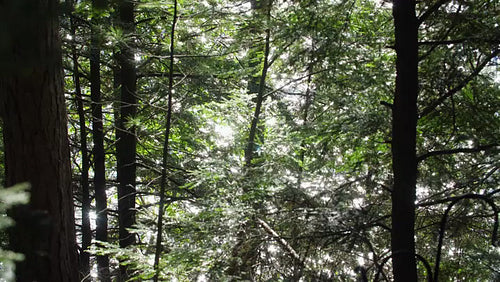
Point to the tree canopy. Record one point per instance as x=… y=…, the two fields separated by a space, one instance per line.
x=276 y=140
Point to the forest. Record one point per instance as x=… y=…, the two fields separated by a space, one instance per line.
x=249 y=140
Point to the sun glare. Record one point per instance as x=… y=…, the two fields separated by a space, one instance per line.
x=225 y=135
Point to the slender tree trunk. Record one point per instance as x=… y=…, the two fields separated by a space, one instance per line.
x=163 y=181
x=305 y=116
x=244 y=253
x=35 y=135
x=126 y=143
x=84 y=183
x=249 y=151
x=404 y=126
x=298 y=266
x=98 y=151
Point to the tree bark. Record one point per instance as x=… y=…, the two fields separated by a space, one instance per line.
x=35 y=135
x=251 y=144
x=244 y=253
x=168 y=123
x=126 y=143
x=404 y=126
x=98 y=150
x=84 y=182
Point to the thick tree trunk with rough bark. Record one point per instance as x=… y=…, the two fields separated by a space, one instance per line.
x=404 y=126
x=35 y=135
x=126 y=143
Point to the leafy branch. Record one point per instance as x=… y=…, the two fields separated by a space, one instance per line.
x=455 y=151
x=430 y=11
x=445 y=219
x=460 y=86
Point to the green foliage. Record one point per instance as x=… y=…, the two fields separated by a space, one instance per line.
x=322 y=176
x=9 y=197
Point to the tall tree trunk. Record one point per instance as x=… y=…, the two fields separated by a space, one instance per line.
x=244 y=253
x=298 y=266
x=404 y=126
x=249 y=151
x=126 y=143
x=163 y=181
x=84 y=182
x=98 y=151
x=307 y=104
x=35 y=135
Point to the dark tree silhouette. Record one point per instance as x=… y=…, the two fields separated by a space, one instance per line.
x=404 y=126
x=35 y=136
